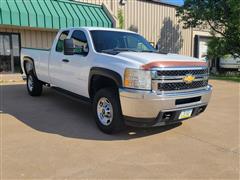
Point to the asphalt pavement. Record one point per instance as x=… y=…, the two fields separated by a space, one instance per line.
x=54 y=136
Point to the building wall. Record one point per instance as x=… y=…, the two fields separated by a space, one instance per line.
x=33 y=38
x=156 y=22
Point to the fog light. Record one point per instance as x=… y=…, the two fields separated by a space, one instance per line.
x=167 y=116
x=200 y=110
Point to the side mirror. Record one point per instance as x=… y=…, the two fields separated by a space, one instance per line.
x=68 y=47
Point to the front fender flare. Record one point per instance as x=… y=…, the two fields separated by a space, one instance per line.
x=116 y=77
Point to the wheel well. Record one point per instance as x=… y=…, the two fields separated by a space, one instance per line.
x=98 y=82
x=28 y=65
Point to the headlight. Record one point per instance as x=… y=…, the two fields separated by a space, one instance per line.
x=137 y=79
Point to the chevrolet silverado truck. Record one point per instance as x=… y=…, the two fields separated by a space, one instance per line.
x=127 y=81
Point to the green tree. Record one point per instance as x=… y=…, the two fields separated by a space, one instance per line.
x=222 y=16
x=120 y=19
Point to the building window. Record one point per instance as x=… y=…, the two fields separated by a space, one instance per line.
x=9 y=52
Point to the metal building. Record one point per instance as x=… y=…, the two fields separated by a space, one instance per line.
x=34 y=23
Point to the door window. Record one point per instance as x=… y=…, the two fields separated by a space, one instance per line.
x=59 y=46
x=80 y=43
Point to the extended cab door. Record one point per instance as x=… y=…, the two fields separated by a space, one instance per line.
x=76 y=67
x=56 y=61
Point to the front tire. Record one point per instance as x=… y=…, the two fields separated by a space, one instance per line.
x=34 y=86
x=107 y=111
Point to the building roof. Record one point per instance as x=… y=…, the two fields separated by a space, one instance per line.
x=52 y=14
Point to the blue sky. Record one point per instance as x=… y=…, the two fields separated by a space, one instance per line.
x=177 y=2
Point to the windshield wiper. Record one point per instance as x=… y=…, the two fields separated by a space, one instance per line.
x=124 y=49
x=115 y=51
x=150 y=51
x=161 y=52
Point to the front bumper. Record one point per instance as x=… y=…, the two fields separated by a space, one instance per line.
x=145 y=108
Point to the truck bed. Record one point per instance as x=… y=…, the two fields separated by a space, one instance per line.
x=40 y=57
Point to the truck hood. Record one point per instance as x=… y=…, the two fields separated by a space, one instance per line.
x=150 y=60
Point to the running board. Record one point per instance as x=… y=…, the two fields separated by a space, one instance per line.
x=72 y=95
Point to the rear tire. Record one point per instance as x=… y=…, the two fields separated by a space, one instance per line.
x=34 y=86
x=107 y=111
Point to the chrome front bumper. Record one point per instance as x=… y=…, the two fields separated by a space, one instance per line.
x=146 y=106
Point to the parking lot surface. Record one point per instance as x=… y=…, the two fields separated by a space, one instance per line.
x=54 y=136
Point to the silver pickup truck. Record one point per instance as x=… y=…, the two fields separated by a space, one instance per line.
x=122 y=75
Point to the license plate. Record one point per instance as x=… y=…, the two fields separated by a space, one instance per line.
x=185 y=114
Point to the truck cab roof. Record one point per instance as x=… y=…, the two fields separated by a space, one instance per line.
x=97 y=29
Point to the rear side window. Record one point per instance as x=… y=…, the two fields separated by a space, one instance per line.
x=59 y=46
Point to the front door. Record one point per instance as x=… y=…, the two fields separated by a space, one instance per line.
x=56 y=71
x=76 y=70
x=9 y=53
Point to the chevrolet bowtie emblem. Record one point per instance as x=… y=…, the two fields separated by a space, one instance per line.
x=188 y=79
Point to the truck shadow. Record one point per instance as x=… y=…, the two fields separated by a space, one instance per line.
x=56 y=114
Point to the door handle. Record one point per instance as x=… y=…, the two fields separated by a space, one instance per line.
x=65 y=60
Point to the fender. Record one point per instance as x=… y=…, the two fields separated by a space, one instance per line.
x=30 y=60
x=106 y=73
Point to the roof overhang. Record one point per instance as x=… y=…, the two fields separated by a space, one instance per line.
x=52 y=14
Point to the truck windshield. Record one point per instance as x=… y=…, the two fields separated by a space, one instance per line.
x=115 y=42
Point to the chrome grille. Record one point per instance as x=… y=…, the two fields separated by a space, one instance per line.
x=182 y=72
x=181 y=85
x=172 y=79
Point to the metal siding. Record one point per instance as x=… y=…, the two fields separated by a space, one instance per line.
x=39 y=40
x=150 y=17
x=33 y=38
x=28 y=39
x=49 y=40
x=44 y=39
x=8 y=30
x=23 y=38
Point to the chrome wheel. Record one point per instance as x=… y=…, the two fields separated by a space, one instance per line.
x=105 y=111
x=30 y=82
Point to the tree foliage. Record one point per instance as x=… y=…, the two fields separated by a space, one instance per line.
x=120 y=19
x=222 y=16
